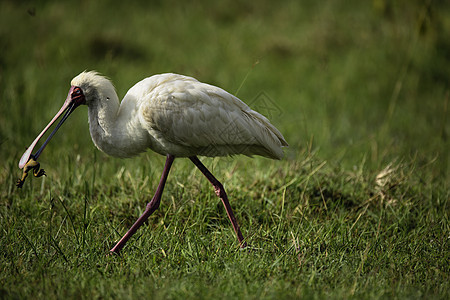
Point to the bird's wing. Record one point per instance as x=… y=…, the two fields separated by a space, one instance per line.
x=202 y=119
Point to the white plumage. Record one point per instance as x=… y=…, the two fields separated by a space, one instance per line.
x=171 y=114
x=175 y=114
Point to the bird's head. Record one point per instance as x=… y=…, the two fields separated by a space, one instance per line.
x=94 y=86
x=84 y=89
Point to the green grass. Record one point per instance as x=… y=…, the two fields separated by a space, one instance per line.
x=357 y=209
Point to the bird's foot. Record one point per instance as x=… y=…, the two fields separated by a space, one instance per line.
x=31 y=165
x=113 y=254
x=249 y=249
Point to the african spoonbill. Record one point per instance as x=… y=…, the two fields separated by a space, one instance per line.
x=175 y=116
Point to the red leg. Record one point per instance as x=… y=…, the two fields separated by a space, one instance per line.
x=151 y=206
x=220 y=191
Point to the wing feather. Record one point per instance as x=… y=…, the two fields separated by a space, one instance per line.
x=187 y=117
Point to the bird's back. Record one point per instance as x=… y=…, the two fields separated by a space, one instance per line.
x=185 y=117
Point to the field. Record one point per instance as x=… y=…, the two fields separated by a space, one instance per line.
x=358 y=208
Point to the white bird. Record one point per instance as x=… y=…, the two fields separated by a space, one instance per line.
x=175 y=116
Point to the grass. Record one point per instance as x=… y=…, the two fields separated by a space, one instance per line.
x=357 y=209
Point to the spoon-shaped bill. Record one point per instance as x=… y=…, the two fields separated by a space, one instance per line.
x=72 y=102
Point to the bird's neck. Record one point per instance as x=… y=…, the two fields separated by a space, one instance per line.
x=111 y=126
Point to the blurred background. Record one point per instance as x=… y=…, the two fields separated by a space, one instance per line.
x=351 y=80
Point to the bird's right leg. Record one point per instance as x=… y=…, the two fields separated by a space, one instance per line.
x=151 y=206
x=220 y=192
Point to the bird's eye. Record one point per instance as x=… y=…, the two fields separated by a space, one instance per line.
x=78 y=96
x=76 y=92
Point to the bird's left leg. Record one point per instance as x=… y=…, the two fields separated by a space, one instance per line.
x=220 y=191
x=151 y=206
